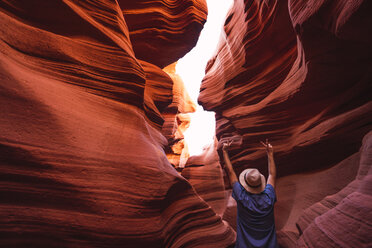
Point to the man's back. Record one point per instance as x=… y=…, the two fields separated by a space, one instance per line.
x=255 y=217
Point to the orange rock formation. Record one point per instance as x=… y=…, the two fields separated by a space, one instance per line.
x=91 y=108
x=82 y=108
x=299 y=73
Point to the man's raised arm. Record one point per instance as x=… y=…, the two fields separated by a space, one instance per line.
x=271 y=164
x=229 y=169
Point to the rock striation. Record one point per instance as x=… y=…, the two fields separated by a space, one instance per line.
x=164 y=31
x=349 y=210
x=296 y=72
x=93 y=115
x=299 y=73
x=82 y=161
x=205 y=174
x=306 y=199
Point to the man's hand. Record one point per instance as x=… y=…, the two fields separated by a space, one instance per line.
x=229 y=169
x=226 y=145
x=269 y=148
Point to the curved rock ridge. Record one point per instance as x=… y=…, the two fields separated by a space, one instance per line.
x=82 y=160
x=37 y=35
x=245 y=54
x=245 y=62
x=158 y=93
x=296 y=72
x=205 y=174
x=299 y=73
x=305 y=196
x=350 y=210
x=164 y=31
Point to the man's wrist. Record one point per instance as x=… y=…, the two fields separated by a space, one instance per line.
x=228 y=166
x=229 y=169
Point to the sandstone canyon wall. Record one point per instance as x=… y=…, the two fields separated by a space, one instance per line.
x=92 y=116
x=299 y=73
x=83 y=105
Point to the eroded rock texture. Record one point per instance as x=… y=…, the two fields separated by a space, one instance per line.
x=204 y=172
x=320 y=209
x=164 y=31
x=349 y=210
x=296 y=72
x=82 y=160
x=89 y=117
x=299 y=73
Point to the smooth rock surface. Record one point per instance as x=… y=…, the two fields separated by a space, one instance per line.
x=296 y=72
x=82 y=161
x=299 y=73
x=163 y=31
x=205 y=174
x=92 y=116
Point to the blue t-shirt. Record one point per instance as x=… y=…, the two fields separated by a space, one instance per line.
x=255 y=217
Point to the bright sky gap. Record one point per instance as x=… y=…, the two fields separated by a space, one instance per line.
x=191 y=69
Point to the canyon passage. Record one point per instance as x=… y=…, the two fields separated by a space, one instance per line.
x=92 y=117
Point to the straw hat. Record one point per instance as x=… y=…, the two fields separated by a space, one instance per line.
x=252 y=180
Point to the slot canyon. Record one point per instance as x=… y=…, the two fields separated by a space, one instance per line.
x=93 y=115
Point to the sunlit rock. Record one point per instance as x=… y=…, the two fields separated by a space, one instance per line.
x=157 y=94
x=177 y=120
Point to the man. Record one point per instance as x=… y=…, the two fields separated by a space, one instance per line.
x=255 y=202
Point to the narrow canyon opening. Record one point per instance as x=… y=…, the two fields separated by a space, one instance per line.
x=191 y=68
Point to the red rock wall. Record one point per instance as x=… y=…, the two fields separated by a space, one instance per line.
x=82 y=160
x=349 y=210
x=204 y=172
x=299 y=73
x=305 y=196
x=158 y=33
x=296 y=72
x=340 y=215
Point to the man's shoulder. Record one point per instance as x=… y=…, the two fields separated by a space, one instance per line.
x=270 y=191
x=238 y=192
x=237 y=185
x=269 y=187
x=237 y=188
